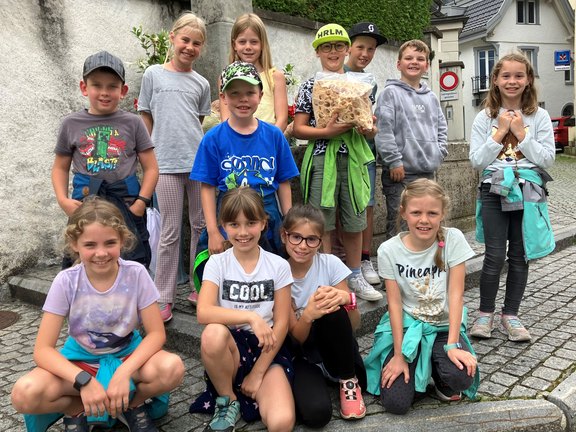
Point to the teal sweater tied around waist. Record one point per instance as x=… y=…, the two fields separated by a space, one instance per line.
x=359 y=156
x=72 y=350
x=417 y=334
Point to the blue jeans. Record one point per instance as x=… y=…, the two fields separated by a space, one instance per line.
x=501 y=228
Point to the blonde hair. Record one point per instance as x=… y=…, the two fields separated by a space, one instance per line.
x=187 y=19
x=253 y=22
x=426 y=187
x=529 y=102
x=95 y=209
x=416 y=44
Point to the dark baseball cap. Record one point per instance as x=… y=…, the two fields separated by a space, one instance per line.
x=239 y=71
x=367 y=29
x=103 y=59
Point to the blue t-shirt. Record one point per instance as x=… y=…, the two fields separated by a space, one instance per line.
x=227 y=159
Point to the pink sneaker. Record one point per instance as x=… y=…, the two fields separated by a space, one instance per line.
x=193 y=297
x=351 y=401
x=166 y=312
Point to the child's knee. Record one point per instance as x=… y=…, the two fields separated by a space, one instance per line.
x=280 y=421
x=26 y=394
x=171 y=370
x=397 y=402
x=214 y=339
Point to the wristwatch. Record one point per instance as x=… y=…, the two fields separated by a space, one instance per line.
x=352 y=305
x=81 y=380
x=448 y=347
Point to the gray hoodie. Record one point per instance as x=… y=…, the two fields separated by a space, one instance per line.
x=412 y=129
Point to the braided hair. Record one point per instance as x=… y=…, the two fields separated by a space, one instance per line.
x=426 y=187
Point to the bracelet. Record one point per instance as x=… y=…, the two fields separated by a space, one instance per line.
x=352 y=305
x=448 y=347
x=145 y=200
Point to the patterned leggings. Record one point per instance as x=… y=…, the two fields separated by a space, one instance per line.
x=170 y=191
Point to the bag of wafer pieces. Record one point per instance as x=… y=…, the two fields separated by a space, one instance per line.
x=348 y=94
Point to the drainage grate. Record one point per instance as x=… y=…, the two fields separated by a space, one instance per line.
x=7 y=318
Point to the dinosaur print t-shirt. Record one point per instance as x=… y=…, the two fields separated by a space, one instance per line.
x=103 y=146
x=423 y=286
x=102 y=322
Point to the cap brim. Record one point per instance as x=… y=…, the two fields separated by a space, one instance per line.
x=379 y=38
x=243 y=78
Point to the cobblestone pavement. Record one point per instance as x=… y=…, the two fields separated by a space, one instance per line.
x=508 y=370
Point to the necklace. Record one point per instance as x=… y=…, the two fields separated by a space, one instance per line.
x=177 y=69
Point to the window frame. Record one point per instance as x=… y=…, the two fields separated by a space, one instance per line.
x=523 y=12
x=488 y=65
x=533 y=58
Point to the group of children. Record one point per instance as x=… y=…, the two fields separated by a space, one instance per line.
x=278 y=331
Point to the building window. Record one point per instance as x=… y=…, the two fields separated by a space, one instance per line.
x=527 y=12
x=485 y=59
x=569 y=75
x=531 y=54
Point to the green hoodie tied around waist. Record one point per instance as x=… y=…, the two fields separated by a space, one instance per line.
x=359 y=156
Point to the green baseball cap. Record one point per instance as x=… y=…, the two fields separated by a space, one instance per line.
x=330 y=33
x=239 y=70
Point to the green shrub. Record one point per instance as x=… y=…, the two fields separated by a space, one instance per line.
x=398 y=20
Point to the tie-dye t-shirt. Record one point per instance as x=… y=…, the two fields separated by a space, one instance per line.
x=248 y=291
x=102 y=322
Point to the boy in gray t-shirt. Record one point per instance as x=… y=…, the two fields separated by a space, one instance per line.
x=103 y=146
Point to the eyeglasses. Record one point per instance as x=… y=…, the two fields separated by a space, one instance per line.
x=296 y=239
x=338 y=46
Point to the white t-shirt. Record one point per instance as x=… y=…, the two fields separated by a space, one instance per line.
x=423 y=286
x=248 y=291
x=102 y=322
x=326 y=269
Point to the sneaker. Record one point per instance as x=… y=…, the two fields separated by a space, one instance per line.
x=369 y=273
x=483 y=325
x=445 y=393
x=363 y=289
x=138 y=420
x=516 y=331
x=351 y=401
x=226 y=415
x=166 y=312
x=193 y=297
x=76 y=424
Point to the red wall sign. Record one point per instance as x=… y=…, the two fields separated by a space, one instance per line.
x=448 y=81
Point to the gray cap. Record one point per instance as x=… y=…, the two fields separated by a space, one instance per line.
x=103 y=59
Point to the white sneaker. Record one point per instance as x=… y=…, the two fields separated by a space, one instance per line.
x=363 y=289
x=369 y=273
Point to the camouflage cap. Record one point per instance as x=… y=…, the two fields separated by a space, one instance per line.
x=239 y=70
x=103 y=59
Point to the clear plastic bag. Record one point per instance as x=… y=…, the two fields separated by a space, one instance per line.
x=347 y=94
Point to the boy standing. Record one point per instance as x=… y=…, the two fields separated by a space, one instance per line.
x=104 y=145
x=337 y=152
x=243 y=151
x=412 y=129
x=365 y=39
